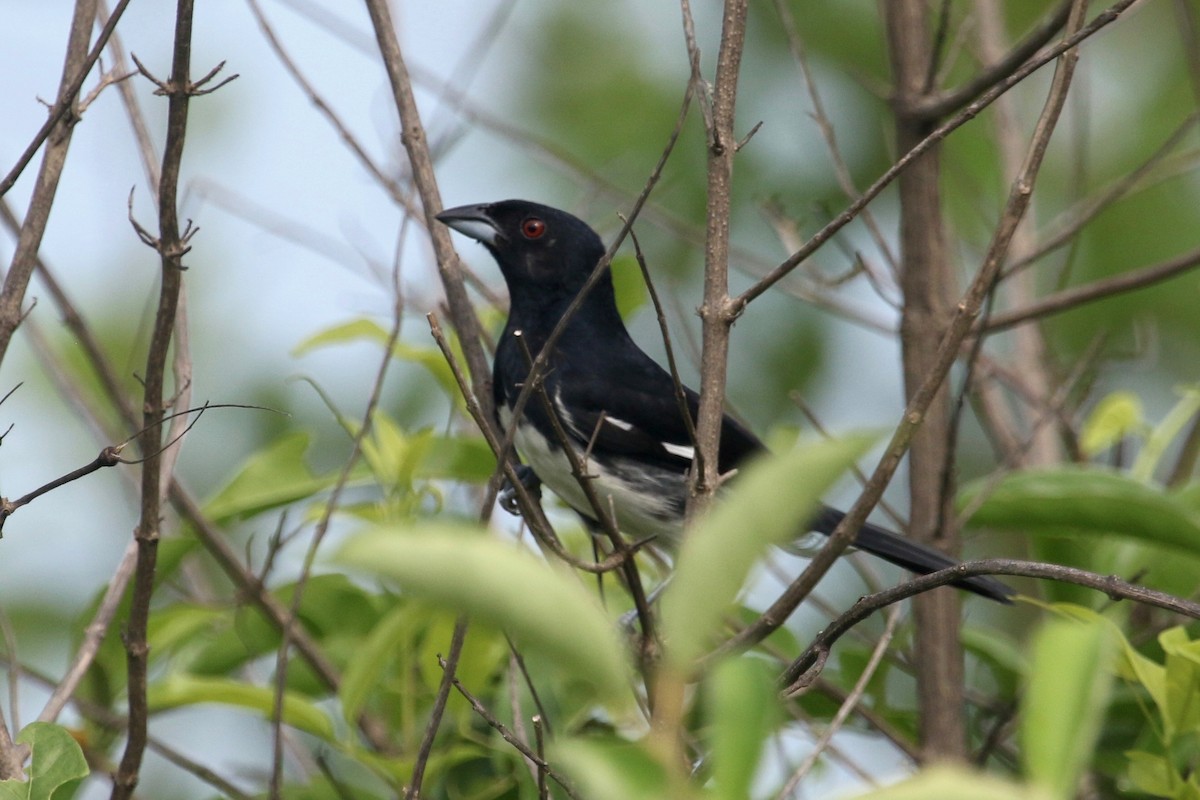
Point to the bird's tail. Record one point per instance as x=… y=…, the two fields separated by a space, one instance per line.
x=910 y=555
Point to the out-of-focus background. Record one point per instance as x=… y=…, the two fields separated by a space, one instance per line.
x=565 y=103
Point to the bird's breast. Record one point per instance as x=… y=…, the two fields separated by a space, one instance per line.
x=646 y=500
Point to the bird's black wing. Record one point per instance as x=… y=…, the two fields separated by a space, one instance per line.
x=637 y=414
x=647 y=425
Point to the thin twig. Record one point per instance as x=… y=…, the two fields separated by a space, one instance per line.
x=825 y=126
x=936 y=106
x=1067 y=224
x=1100 y=21
x=449 y=667
x=78 y=71
x=531 y=510
x=543 y=357
x=215 y=541
x=685 y=412
x=543 y=786
x=847 y=706
x=544 y=720
x=508 y=736
x=716 y=313
x=57 y=132
x=800 y=674
x=171 y=245
x=1076 y=296
x=604 y=516
x=389 y=184
x=331 y=506
x=12 y=755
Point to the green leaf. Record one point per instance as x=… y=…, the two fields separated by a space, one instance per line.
x=273 y=477
x=57 y=760
x=999 y=650
x=1085 y=500
x=768 y=504
x=1116 y=416
x=391 y=453
x=188 y=690
x=180 y=625
x=1152 y=774
x=359 y=330
x=743 y=708
x=629 y=285
x=365 y=669
x=460 y=458
x=1182 y=682
x=1165 y=433
x=543 y=607
x=334 y=611
x=613 y=769
x=356 y=330
x=956 y=783
x=1070 y=678
x=1130 y=665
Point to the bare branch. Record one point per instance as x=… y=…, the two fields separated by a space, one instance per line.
x=331 y=505
x=449 y=667
x=801 y=672
x=1100 y=21
x=508 y=736
x=74 y=74
x=716 y=313
x=959 y=327
x=531 y=510
x=93 y=635
x=936 y=106
x=847 y=705
x=108 y=457
x=171 y=246
x=57 y=131
x=462 y=315
x=1076 y=296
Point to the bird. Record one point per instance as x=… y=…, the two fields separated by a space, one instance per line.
x=616 y=405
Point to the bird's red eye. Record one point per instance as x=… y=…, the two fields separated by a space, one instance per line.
x=533 y=228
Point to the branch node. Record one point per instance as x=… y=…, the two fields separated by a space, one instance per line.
x=746 y=139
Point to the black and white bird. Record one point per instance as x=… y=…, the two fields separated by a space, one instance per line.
x=614 y=401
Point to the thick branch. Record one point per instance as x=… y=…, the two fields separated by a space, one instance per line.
x=715 y=311
x=928 y=281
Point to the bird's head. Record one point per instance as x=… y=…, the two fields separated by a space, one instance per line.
x=539 y=249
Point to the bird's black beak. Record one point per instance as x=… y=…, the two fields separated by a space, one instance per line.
x=472 y=221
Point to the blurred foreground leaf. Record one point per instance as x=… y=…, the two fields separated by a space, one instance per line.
x=541 y=606
x=1070 y=676
x=769 y=503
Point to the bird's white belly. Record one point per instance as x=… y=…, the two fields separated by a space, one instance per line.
x=638 y=497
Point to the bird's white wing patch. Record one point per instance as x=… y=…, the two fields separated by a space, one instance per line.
x=681 y=450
